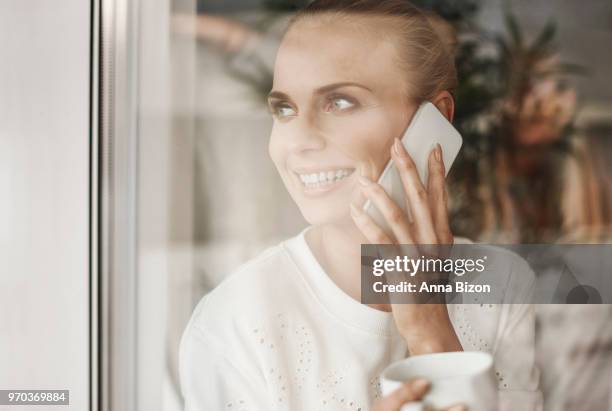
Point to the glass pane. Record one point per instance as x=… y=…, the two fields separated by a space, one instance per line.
x=532 y=104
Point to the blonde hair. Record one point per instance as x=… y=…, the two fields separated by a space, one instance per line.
x=426 y=43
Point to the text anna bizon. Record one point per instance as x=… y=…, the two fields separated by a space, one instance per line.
x=424 y=287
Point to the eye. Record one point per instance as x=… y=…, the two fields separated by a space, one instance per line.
x=339 y=103
x=282 y=110
x=286 y=111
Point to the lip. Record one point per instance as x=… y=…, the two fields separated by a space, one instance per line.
x=321 y=190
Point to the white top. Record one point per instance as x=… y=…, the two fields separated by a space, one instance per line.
x=279 y=334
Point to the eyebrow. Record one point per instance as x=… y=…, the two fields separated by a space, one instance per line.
x=320 y=90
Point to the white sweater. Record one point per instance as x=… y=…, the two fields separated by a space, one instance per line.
x=279 y=334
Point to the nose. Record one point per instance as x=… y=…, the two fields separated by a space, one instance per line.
x=304 y=135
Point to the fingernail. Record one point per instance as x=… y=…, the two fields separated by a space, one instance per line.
x=438 y=152
x=420 y=384
x=364 y=181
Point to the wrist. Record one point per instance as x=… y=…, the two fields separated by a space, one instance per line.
x=435 y=335
x=432 y=345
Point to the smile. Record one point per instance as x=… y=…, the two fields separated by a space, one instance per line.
x=324 y=179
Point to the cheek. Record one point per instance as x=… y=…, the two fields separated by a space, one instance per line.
x=365 y=138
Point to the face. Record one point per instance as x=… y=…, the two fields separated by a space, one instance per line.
x=338 y=101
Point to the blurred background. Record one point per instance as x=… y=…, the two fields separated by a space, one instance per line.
x=534 y=106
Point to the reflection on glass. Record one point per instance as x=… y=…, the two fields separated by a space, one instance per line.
x=531 y=105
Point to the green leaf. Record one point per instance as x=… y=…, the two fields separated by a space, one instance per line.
x=504 y=49
x=513 y=28
x=545 y=37
x=562 y=70
x=575 y=69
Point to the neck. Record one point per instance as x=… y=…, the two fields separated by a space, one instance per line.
x=337 y=247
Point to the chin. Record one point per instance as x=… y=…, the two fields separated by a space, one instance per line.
x=328 y=204
x=321 y=214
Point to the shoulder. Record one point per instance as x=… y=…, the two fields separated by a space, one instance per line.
x=483 y=318
x=504 y=269
x=511 y=272
x=254 y=292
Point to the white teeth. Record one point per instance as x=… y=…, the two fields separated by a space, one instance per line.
x=324 y=178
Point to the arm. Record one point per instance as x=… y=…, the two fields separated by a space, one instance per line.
x=426 y=328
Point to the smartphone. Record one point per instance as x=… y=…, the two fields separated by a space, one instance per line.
x=427 y=128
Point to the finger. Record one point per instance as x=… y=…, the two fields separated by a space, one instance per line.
x=372 y=232
x=392 y=212
x=416 y=195
x=438 y=200
x=410 y=391
x=457 y=407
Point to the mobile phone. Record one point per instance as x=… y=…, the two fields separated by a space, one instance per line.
x=427 y=128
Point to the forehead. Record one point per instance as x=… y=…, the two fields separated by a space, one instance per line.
x=319 y=51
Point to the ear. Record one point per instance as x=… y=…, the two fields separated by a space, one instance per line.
x=445 y=103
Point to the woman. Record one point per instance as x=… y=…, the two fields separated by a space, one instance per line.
x=287 y=330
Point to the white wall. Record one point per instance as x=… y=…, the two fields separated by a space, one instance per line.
x=44 y=103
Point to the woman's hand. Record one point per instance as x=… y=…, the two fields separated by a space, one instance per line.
x=425 y=327
x=411 y=391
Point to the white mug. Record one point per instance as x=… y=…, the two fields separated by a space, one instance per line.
x=464 y=377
